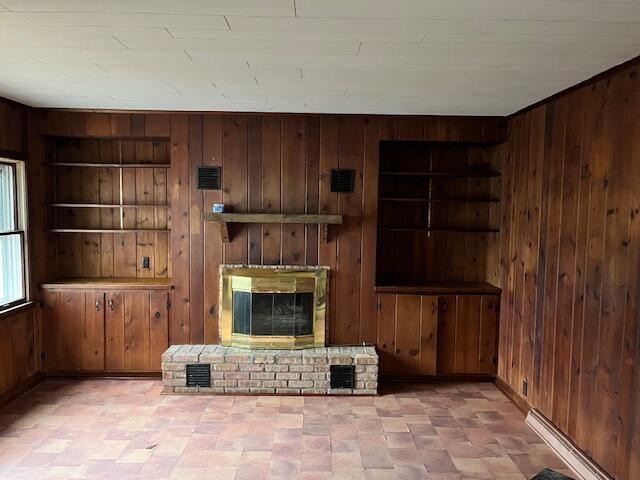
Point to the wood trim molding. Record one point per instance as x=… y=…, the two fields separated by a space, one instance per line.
x=512 y=395
x=25 y=385
x=581 y=465
x=18 y=309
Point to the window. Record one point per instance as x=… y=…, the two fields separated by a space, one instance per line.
x=13 y=289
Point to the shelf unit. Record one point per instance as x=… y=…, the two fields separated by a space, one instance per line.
x=438 y=204
x=107 y=206
x=224 y=218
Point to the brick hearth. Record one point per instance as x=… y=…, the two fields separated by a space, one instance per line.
x=238 y=370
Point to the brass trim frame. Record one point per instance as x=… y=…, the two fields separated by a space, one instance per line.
x=262 y=279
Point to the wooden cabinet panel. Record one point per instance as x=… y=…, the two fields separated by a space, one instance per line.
x=158 y=328
x=51 y=330
x=93 y=332
x=488 y=361
x=408 y=315
x=428 y=335
x=136 y=331
x=407 y=334
x=137 y=324
x=467 y=334
x=114 y=328
x=387 y=332
x=447 y=313
x=71 y=311
x=467 y=329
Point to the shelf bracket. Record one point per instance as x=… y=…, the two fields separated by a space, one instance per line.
x=224 y=232
x=324 y=233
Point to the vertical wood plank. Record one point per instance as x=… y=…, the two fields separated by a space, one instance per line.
x=329 y=144
x=234 y=144
x=312 y=181
x=467 y=334
x=447 y=313
x=136 y=331
x=271 y=187
x=408 y=330
x=158 y=328
x=212 y=156
x=293 y=187
x=254 y=172
x=349 y=261
x=429 y=335
x=180 y=253
x=92 y=334
x=114 y=331
x=196 y=241
x=387 y=333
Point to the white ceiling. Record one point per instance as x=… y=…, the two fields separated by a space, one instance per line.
x=470 y=57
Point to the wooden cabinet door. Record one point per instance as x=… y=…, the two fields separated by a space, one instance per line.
x=137 y=325
x=71 y=312
x=51 y=330
x=428 y=335
x=488 y=362
x=387 y=332
x=93 y=332
x=408 y=315
x=158 y=328
x=114 y=328
x=447 y=313
x=467 y=334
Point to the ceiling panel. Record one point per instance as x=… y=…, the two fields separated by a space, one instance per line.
x=474 y=57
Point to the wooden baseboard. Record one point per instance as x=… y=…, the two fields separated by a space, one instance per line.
x=582 y=466
x=466 y=377
x=512 y=395
x=99 y=374
x=22 y=387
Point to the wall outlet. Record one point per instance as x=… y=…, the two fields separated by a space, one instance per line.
x=525 y=387
x=145 y=262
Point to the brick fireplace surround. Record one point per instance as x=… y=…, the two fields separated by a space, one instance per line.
x=287 y=372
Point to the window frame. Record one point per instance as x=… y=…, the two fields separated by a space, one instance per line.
x=20 y=219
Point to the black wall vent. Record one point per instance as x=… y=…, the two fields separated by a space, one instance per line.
x=343 y=376
x=209 y=178
x=342 y=180
x=199 y=375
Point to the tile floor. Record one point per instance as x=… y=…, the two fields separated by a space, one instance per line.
x=124 y=429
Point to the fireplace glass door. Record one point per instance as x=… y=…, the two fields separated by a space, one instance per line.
x=273 y=314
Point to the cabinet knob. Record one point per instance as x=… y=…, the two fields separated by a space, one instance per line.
x=98 y=305
x=111 y=304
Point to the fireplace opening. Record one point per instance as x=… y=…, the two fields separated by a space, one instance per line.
x=273 y=314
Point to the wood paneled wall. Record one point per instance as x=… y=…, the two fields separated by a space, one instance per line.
x=570 y=262
x=271 y=163
x=13 y=129
x=17 y=350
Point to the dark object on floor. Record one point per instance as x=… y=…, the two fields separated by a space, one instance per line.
x=548 y=474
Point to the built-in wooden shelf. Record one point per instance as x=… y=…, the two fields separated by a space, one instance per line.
x=104 y=205
x=109 y=165
x=436 y=229
x=440 y=200
x=105 y=283
x=107 y=230
x=443 y=288
x=444 y=174
x=224 y=218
